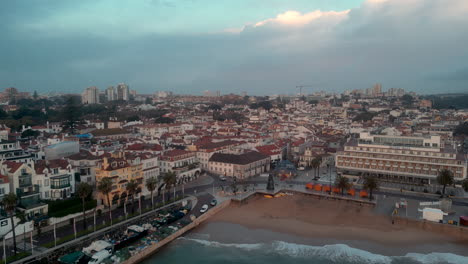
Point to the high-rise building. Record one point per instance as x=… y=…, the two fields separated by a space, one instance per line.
x=377 y=89
x=90 y=95
x=397 y=158
x=123 y=92
x=111 y=93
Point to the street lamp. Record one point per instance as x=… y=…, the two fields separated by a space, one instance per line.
x=329 y=175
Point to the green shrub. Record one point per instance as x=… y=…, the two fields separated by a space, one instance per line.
x=16 y=257
x=73 y=205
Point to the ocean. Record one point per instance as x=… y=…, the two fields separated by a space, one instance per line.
x=243 y=246
x=188 y=250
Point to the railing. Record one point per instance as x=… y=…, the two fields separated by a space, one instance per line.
x=60 y=186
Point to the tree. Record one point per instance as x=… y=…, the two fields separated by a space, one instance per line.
x=169 y=179
x=461 y=129
x=30 y=133
x=105 y=187
x=151 y=184
x=444 y=178
x=72 y=115
x=407 y=99
x=342 y=183
x=9 y=202
x=132 y=186
x=35 y=95
x=465 y=185
x=370 y=184
x=83 y=190
x=315 y=163
x=148 y=100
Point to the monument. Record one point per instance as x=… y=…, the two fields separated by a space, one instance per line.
x=271 y=183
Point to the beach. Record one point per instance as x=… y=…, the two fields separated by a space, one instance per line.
x=306 y=229
x=311 y=220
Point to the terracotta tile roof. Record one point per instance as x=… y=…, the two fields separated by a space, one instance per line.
x=41 y=165
x=242 y=159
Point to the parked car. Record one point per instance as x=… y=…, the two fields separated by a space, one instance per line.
x=222 y=178
x=204 y=208
x=214 y=202
x=301 y=168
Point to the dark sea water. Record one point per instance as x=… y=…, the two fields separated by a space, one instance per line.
x=241 y=245
x=186 y=250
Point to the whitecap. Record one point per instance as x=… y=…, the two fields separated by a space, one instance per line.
x=218 y=244
x=337 y=253
x=437 y=258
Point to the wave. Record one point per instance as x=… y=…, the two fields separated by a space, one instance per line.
x=436 y=258
x=339 y=253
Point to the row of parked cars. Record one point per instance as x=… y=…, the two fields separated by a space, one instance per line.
x=205 y=207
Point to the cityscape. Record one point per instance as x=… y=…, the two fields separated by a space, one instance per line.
x=369 y=169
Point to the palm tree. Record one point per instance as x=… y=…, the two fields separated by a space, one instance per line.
x=151 y=184
x=132 y=186
x=9 y=202
x=169 y=179
x=316 y=165
x=83 y=190
x=445 y=178
x=342 y=183
x=370 y=184
x=105 y=187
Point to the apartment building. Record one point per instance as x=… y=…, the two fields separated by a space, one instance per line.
x=183 y=163
x=21 y=179
x=85 y=164
x=55 y=178
x=150 y=166
x=240 y=166
x=120 y=171
x=11 y=150
x=90 y=95
x=398 y=158
x=205 y=151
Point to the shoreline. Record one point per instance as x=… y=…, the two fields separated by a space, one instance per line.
x=307 y=220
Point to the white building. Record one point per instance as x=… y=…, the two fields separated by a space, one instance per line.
x=55 y=178
x=90 y=95
x=398 y=158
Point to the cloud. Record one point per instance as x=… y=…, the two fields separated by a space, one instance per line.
x=399 y=43
x=294 y=18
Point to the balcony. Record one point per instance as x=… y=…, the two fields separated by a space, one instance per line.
x=27 y=191
x=25 y=180
x=60 y=186
x=60 y=182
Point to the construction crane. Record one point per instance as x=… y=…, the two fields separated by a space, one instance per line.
x=302 y=86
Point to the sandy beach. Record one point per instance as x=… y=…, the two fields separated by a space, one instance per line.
x=309 y=220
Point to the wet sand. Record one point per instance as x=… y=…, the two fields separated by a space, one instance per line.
x=309 y=220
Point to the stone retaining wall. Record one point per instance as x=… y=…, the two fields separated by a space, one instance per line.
x=458 y=232
x=146 y=253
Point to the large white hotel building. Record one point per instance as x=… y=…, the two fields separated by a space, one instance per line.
x=396 y=158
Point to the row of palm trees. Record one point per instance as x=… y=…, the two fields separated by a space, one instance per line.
x=105 y=187
x=445 y=178
x=83 y=190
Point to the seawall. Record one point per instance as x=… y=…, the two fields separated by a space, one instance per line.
x=146 y=253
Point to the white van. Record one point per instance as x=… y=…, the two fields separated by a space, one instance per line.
x=99 y=256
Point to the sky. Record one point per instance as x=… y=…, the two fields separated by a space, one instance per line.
x=257 y=46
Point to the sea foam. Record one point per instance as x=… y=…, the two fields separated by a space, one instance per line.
x=339 y=253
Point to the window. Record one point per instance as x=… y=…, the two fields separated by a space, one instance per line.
x=55 y=171
x=2 y=191
x=46 y=182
